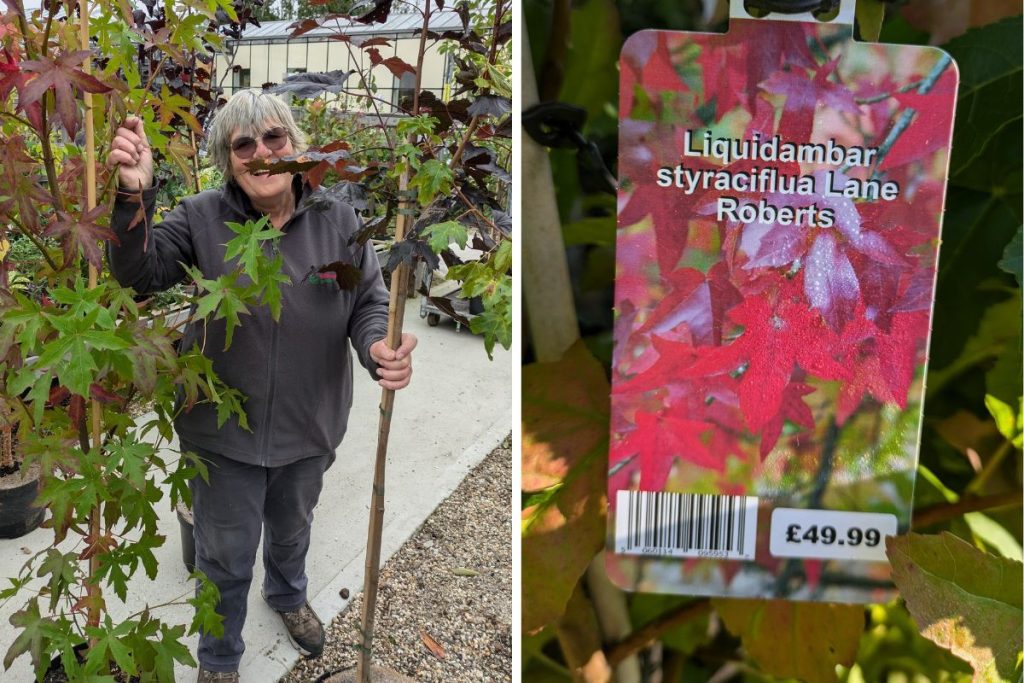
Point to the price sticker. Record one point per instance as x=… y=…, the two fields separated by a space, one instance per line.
x=830 y=534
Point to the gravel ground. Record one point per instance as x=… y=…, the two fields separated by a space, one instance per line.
x=451 y=582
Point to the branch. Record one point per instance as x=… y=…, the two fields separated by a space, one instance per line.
x=15 y=117
x=482 y=217
x=23 y=26
x=369 y=94
x=553 y=68
x=990 y=468
x=653 y=630
x=35 y=240
x=944 y=512
x=908 y=114
x=51 y=169
x=419 y=58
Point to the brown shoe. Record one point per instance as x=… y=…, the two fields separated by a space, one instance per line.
x=217 y=676
x=305 y=630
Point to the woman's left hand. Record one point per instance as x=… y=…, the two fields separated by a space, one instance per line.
x=394 y=366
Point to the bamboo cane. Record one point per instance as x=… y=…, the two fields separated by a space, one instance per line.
x=90 y=204
x=396 y=313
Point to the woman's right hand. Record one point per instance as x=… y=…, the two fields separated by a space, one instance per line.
x=131 y=153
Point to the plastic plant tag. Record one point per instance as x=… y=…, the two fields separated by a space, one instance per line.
x=780 y=199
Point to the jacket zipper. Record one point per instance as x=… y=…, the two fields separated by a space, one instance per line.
x=272 y=371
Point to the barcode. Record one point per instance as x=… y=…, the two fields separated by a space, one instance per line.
x=685 y=525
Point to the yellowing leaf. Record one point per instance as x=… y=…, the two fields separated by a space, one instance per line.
x=1006 y=421
x=565 y=455
x=962 y=599
x=802 y=640
x=870 y=14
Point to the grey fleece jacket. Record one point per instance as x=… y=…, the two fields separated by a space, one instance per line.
x=296 y=373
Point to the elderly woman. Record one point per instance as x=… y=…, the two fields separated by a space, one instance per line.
x=295 y=373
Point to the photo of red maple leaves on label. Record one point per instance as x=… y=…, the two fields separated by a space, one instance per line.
x=780 y=198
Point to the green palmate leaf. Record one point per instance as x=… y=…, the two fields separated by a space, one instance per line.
x=565 y=451
x=128 y=460
x=108 y=643
x=495 y=323
x=225 y=299
x=230 y=403
x=440 y=235
x=989 y=60
x=205 y=603
x=169 y=650
x=33 y=637
x=1013 y=257
x=962 y=599
x=62 y=570
x=247 y=247
x=416 y=125
x=804 y=640
x=432 y=178
x=270 y=278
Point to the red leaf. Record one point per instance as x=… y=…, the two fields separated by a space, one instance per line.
x=883 y=362
x=774 y=341
x=63 y=78
x=58 y=395
x=697 y=301
x=793 y=409
x=81 y=233
x=805 y=95
x=393 y=64
x=301 y=28
x=398 y=67
x=12 y=76
x=829 y=281
x=370 y=42
x=724 y=84
x=101 y=394
x=929 y=129
x=658 y=440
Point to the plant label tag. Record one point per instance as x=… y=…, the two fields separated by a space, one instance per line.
x=780 y=199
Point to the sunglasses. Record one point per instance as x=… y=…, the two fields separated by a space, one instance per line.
x=274 y=139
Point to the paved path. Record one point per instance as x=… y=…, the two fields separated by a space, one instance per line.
x=459 y=407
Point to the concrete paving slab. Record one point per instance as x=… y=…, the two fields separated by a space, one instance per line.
x=458 y=408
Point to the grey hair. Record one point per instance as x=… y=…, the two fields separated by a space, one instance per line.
x=249 y=112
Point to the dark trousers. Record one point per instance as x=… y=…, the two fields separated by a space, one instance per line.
x=230 y=511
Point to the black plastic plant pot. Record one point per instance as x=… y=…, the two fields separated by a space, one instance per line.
x=55 y=673
x=17 y=492
x=188 y=541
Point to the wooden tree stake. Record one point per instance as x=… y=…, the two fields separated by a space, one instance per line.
x=396 y=313
x=90 y=203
